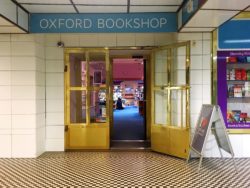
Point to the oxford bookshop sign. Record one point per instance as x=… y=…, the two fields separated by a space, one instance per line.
x=103 y=23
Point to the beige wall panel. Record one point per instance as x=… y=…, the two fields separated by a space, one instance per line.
x=4 y=48
x=165 y=38
x=23 y=38
x=144 y=39
x=125 y=39
x=52 y=39
x=5 y=38
x=23 y=49
x=54 y=53
x=71 y=40
x=89 y=40
x=107 y=39
x=5 y=63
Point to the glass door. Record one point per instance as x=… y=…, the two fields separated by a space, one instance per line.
x=86 y=99
x=170 y=130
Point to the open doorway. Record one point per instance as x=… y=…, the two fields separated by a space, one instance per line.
x=129 y=126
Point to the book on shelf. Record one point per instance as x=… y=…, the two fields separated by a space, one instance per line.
x=248 y=59
x=232 y=74
x=231 y=59
x=230 y=91
x=248 y=74
x=243 y=74
x=237 y=91
x=247 y=89
x=241 y=59
x=237 y=74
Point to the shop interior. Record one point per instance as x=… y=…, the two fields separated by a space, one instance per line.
x=128 y=99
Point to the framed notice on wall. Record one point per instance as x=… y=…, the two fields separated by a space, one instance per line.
x=234 y=89
x=97 y=77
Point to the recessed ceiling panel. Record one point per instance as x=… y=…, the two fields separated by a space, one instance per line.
x=45 y=1
x=153 y=8
x=9 y=10
x=102 y=9
x=11 y=30
x=4 y=22
x=200 y=29
x=101 y=2
x=50 y=8
x=210 y=18
x=156 y=2
x=226 y=4
x=23 y=19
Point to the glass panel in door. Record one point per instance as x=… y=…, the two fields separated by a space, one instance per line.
x=97 y=69
x=178 y=66
x=178 y=107
x=78 y=106
x=160 y=67
x=160 y=108
x=77 y=69
x=98 y=111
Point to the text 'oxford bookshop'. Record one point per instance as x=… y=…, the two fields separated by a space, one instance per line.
x=52 y=23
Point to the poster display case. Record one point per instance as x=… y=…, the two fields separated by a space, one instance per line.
x=233 y=76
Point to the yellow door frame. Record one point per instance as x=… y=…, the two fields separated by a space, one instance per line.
x=171 y=139
x=85 y=135
x=93 y=128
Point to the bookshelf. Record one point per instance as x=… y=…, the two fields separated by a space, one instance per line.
x=234 y=88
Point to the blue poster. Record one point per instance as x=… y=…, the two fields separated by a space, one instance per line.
x=234 y=34
x=103 y=23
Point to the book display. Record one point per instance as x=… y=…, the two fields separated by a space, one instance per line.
x=98 y=106
x=234 y=88
x=130 y=93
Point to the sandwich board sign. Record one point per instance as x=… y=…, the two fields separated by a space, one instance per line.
x=210 y=120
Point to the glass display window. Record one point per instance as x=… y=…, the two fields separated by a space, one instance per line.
x=234 y=88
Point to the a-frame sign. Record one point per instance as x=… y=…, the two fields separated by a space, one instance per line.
x=210 y=120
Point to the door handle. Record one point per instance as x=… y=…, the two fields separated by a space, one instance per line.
x=66 y=128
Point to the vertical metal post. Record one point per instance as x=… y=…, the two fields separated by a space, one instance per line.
x=235 y=164
x=201 y=157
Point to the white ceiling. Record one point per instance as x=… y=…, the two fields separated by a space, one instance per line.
x=211 y=15
x=226 y=4
x=216 y=17
x=99 y=6
x=214 y=13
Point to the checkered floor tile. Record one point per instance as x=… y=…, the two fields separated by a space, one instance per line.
x=121 y=169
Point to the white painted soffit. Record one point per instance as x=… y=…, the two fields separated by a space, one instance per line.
x=99 y=6
x=8 y=27
x=214 y=13
x=13 y=18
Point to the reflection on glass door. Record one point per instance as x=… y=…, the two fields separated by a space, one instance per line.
x=170 y=90
x=86 y=99
x=78 y=106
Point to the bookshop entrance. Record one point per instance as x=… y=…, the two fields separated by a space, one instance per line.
x=158 y=94
x=129 y=123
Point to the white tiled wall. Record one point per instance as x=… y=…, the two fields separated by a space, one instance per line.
x=55 y=89
x=200 y=75
x=201 y=91
x=21 y=100
x=24 y=59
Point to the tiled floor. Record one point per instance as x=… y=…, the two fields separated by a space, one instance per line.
x=121 y=169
